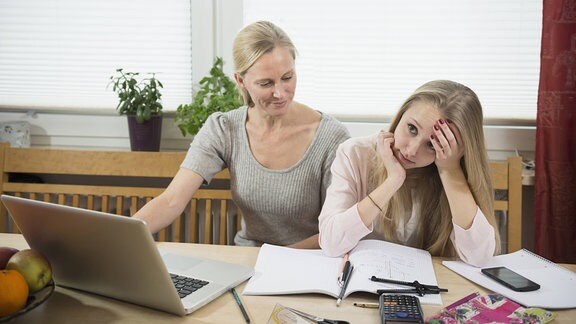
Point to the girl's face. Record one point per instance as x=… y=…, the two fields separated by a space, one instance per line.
x=271 y=81
x=412 y=143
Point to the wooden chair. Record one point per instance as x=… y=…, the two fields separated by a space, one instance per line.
x=209 y=217
x=507 y=183
x=115 y=182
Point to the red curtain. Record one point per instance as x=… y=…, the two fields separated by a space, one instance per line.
x=555 y=188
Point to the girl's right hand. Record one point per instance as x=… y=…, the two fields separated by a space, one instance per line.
x=395 y=170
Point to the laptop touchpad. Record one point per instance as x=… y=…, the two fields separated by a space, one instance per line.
x=179 y=262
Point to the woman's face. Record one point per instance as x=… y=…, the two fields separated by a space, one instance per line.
x=412 y=143
x=271 y=81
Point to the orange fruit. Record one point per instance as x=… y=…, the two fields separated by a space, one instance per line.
x=13 y=292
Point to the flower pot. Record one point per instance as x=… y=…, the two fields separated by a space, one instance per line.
x=145 y=136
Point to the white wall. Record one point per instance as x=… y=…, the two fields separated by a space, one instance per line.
x=215 y=24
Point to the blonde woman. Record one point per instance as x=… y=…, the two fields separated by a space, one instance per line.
x=425 y=183
x=278 y=151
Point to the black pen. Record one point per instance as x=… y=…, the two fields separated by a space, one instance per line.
x=344 y=273
x=346 y=279
x=343 y=268
x=239 y=302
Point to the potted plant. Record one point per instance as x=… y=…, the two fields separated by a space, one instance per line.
x=140 y=101
x=217 y=93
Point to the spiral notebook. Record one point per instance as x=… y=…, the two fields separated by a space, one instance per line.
x=557 y=284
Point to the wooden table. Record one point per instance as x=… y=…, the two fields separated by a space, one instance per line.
x=71 y=306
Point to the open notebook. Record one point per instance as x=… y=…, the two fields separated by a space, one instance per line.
x=115 y=256
x=281 y=270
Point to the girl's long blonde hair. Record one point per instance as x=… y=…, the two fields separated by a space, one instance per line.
x=460 y=105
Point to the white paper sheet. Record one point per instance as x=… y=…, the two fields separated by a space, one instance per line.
x=557 y=284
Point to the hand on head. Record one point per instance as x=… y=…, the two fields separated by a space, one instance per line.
x=385 y=150
x=447 y=143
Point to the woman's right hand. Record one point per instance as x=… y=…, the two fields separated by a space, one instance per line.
x=395 y=170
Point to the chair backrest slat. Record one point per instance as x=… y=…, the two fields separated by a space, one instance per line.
x=507 y=182
x=113 y=182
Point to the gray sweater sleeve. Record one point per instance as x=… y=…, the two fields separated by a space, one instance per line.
x=208 y=151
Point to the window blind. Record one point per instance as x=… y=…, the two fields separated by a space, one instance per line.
x=363 y=58
x=60 y=54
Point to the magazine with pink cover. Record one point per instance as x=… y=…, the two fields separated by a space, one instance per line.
x=492 y=308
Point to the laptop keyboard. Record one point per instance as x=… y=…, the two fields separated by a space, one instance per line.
x=186 y=285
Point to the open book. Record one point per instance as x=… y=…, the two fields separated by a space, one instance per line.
x=281 y=270
x=557 y=284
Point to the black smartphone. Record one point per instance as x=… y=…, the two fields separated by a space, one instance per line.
x=511 y=279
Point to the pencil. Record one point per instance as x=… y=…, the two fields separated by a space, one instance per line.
x=367 y=305
x=239 y=302
x=346 y=278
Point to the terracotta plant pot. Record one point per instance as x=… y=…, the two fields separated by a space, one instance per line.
x=145 y=136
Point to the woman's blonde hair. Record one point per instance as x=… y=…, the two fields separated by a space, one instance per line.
x=252 y=42
x=460 y=105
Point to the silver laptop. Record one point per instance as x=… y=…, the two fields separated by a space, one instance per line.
x=115 y=256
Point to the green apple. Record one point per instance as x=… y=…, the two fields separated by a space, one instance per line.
x=6 y=253
x=33 y=266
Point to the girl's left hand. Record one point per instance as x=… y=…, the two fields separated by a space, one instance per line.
x=447 y=142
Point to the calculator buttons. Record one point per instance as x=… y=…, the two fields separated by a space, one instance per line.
x=400 y=308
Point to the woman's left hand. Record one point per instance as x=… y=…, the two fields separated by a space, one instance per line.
x=447 y=142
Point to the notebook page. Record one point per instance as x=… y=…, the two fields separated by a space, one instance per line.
x=392 y=261
x=281 y=270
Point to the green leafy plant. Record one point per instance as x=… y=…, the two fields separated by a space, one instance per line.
x=140 y=98
x=217 y=93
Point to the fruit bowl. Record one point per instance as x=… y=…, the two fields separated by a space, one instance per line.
x=34 y=300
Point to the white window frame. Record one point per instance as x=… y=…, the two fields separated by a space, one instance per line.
x=357 y=58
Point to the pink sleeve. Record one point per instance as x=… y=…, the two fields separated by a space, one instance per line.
x=340 y=225
x=475 y=245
